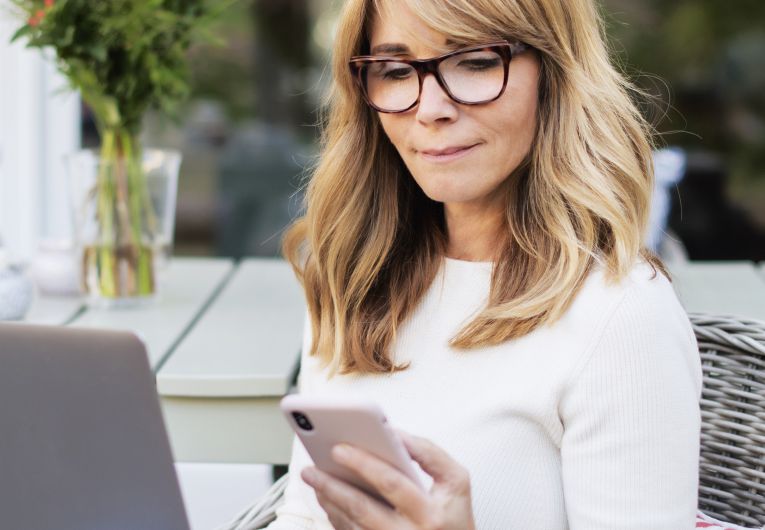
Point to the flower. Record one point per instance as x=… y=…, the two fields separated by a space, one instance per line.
x=39 y=14
x=37 y=17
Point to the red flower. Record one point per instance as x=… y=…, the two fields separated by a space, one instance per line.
x=35 y=19
x=38 y=15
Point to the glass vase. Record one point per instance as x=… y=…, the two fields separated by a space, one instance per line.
x=124 y=215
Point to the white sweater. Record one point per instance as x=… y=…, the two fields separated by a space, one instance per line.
x=591 y=423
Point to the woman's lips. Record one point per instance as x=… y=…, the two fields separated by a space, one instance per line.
x=447 y=155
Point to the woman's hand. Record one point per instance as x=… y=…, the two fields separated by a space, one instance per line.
x=446 y=506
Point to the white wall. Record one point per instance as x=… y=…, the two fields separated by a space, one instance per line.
x=39 y=124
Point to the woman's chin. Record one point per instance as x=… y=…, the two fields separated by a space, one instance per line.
x=447 y=188
x=448 y=196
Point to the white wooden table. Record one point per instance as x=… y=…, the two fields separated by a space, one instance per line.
x=221 y=387
x=224 y=340
x=722 y=288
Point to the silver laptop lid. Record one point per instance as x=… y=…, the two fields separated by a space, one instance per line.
x=82 y=441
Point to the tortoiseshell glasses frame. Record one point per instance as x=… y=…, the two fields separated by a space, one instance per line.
x=504 y=49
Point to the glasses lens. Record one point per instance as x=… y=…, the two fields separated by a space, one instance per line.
x=474 y=76
x=390 y=85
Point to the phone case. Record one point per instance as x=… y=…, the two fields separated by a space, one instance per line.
x=359 y=423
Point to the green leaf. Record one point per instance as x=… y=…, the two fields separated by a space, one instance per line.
x=123 y=55
x=99 y=52
x=21 y=32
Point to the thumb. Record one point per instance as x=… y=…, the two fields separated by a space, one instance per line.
x=433 y=460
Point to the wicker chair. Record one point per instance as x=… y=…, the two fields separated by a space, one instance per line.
x=732 y=481
x=732 y=469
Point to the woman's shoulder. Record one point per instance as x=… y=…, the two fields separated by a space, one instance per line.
x=644 y=281
x=635 y=323
x=638 y=313
x=644 y=295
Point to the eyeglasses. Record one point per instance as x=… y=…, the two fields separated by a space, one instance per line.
x=470 y=76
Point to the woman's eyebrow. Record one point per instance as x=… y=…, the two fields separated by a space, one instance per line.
x=390 y=48
x=393 y=48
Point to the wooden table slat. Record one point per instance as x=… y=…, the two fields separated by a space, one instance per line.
x=53 y=311
x=186 y=286
x=249 y=341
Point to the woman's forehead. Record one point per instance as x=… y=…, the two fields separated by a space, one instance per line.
x=394 y=29
x=427 y=29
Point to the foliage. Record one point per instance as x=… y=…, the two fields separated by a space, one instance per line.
x=124 y=56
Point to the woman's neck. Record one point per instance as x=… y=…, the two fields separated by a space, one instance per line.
x=473 y=231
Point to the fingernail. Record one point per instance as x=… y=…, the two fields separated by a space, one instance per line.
x=341 y=452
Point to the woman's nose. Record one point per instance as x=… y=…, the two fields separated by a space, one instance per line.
x=435 y=104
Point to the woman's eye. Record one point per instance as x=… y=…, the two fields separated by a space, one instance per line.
x=479 y=64
x=397 y=73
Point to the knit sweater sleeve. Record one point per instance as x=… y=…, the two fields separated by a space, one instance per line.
x=630 y=411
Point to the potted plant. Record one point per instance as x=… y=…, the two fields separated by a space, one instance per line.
x=124 y=57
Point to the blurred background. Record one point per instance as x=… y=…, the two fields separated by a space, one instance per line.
x=704 y=62
x=248 y=133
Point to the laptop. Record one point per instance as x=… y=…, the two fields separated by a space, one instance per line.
x=82 y=441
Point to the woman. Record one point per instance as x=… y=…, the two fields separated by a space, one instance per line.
x=471 y=256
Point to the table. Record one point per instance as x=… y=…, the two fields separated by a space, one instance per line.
x=722 y=288
x=224 y=341
x=221 y=387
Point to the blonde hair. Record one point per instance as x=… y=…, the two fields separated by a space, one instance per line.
x=371 y=242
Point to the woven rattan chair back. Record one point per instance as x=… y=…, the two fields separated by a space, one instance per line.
x=732 y=473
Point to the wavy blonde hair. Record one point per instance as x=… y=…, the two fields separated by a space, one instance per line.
x=370 y=242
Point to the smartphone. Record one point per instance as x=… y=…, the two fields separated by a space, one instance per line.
x=322 y=422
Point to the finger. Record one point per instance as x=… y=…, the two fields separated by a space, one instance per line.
x=356 y=506
x=390 y=483
x=435 y=461
x=334 y=514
